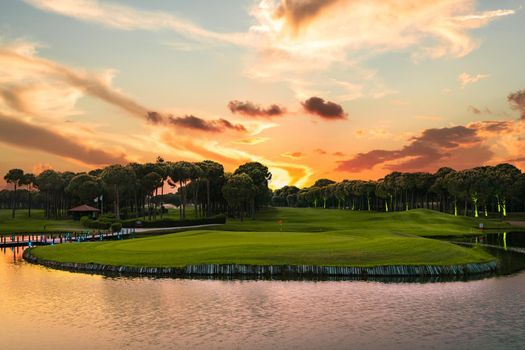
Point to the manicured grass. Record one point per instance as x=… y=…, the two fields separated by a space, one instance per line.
x=310 y=237
x=419 y=222
x=35 y=224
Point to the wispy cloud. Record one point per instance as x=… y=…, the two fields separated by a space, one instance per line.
x=251 y=141
x=291 y=40
x=124 y=17
x=29 y=136
x=33 y=85
x=293 y=155
x=299 y=38
x=467 y=79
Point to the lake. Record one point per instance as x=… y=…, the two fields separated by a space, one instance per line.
x=49 y=309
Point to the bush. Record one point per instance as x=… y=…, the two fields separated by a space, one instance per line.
x=84 y=220
x=131 y=223
x=104 y=223
x=116 y=227
x=95 y=224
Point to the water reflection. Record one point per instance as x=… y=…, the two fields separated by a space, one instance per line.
x=507 y=247
x=12 y=254
x=49 y=309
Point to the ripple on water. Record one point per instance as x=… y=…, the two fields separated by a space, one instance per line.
x=50 y=309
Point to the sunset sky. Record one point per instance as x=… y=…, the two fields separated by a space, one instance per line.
x=334 y=88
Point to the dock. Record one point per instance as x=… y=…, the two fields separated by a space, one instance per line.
x=33 y=239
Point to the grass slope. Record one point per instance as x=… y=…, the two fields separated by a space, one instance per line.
x=36 y=223
x=311 y=237
x=421 y=222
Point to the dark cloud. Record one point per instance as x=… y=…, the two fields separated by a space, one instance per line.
x=320 y=151
x=422 y=152
x=517 y=102
x=253 y=110
x=474 y=110
x=324 y=109
x=339 y=154
x=28 y=136
x=13 y=97
x=516 y=160
x=494 y=126
x=154 y=117
x=196 y=123
x=299 y=12
x=478 y=111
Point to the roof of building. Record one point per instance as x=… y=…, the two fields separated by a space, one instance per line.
x=84 y=208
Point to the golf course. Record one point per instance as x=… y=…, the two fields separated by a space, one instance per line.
x=294 y=236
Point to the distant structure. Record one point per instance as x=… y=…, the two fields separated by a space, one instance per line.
x=83 y=210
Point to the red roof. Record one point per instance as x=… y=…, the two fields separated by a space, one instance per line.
x=84 y=208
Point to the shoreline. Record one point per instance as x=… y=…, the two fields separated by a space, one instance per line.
x=241 y=270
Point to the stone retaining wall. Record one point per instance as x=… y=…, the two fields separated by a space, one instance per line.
x=269 y=271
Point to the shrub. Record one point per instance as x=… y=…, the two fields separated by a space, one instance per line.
x=116 y=227
x=104 y=223
x=84 y=220
x=219 y=219
x=95 y=224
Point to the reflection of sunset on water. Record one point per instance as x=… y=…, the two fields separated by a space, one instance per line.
x=12 y=254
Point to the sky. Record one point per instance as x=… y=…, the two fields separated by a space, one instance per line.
x=340 y=89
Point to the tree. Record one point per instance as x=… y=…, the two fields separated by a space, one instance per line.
x=260 y=176
x=323 y=182
x=15 y=177
x=239 y=190
x=457 y=184
x=117 y=177
x=84 y=188
x=180 y=173
x=28 y=180
x=213 y=175
x=503 y=177
x=163 y=167
x=382 y=191
x=439 y=187
x=518 y=190
x=52 y=184
x=150 y=183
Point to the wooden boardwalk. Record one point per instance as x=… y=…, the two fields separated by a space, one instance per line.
x=20 y=240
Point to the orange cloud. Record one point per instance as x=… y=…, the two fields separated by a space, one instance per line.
x=34 y=85
x=298 y=40
x=24 y=135
x=460 y=147
x=252 y=141
x=293 y=155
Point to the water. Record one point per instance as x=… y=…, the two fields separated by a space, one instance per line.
x=48 y=309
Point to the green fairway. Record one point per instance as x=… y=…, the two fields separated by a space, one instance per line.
x=35 y=224
x=310 y=237
x=419 y=222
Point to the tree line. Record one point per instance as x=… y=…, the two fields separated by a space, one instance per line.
x=478 y=191
x=137 y=190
